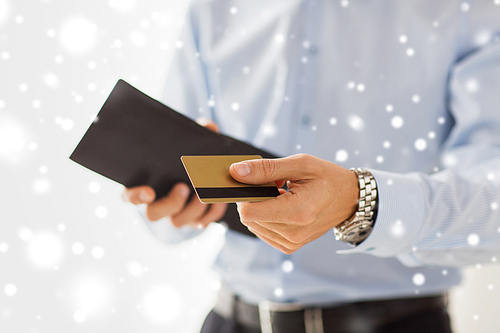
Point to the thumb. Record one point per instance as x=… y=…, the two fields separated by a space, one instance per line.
x=268 y=170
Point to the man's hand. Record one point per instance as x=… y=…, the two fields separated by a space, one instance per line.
x=174 y=205
x=321 y=195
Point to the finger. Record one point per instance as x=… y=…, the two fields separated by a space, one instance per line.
x=286 y=207
x=273 y=239
x=139 y=194
x=169 y=205
x=193 y=211
x=262 y=171
x=208 y=123
x=214 y=213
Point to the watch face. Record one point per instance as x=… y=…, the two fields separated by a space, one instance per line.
x=354 y=233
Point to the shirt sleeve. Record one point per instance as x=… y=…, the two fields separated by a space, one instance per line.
x=450 y=217
x=186 y=92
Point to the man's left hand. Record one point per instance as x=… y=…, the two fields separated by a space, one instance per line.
x=320 y=196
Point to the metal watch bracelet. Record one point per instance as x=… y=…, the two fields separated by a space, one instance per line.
x=357 y=230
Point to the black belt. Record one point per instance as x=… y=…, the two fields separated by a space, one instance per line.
x=270 y=317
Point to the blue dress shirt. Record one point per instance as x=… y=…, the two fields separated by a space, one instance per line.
x=408 y=89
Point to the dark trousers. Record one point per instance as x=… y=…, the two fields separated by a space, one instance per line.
x=431 y=321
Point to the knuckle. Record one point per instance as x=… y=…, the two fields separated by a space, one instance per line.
x=152 y=215
x=268 y=167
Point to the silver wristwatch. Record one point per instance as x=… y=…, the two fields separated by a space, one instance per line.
x=360 y=227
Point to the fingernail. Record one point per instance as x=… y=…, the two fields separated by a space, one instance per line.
x=183 y=191
x=144 y=196
x=243 y=169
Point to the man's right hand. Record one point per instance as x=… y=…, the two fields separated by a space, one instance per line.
x=174 y=205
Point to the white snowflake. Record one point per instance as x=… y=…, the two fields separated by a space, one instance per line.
x=398 y=229
x=78 y=35
x=101 y=212
x=410 y=52
x=420 y=144
x=403 y=39
x=389 y=108
x=278 y=292
x=287 y=266
x=10 y=289
x=341 y=155
x=235 y=106
x=397 y=122
x=360 y=87
x=233 y=10
x=97 y=252
x=356 y=122
x=419 y=279
x=415 y=99
x=78 y=248
x=473 y=239
x=464 y=6
x=333 y=121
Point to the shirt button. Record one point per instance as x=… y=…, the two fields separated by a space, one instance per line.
x=306 y=120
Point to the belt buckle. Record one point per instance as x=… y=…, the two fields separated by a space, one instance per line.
x=313 y=318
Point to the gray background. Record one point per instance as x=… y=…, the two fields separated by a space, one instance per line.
x=73 y=256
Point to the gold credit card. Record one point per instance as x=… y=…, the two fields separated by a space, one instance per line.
x=213 y=183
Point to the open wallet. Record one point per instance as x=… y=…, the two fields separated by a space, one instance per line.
x=136 y=140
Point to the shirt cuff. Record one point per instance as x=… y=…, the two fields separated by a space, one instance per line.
x=400 y=216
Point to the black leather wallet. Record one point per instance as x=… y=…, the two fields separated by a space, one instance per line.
x=136 y=140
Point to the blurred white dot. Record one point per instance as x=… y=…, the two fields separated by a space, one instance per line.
x=144 y=24
x=475 y=317
x=431 y=135
x=341 y=155
x=122 y=5
x=216 y=285
x=444 y=272
x=245 y=70
x=51 y=33
x=472 y=85
x=162 y=304
x=441 y=120
x=355 y=122
x=51 y=80
x=179 y=44
x=91 y=86
x=287 y=266
x=278 y=292
x=137 y=38
x=135 y=269
x=94 y=187
x=79 y=316
x=25 y=234
x=494 y=259
x=97 y=252
x=2 y=104
x=333 y=121
x=91 y=65
x=450 y=160
x=389 y=108
x=490 y=287
x=473 y=239
x=403 y=39
x=306 y=44
x=77 y=248
x=464 y=6
x=304 y=60
x=420 y=144
x=117 y=43
x=415 y=99
x=78 y=35
x=235 y=106
x=45 y=250
x=397 y=122
x=12 y=138
x=494 y=205
x=61 y=227
x=5 y=55
x=269 y=130
x=410 y=52
x=398 y=229
x=101 y=212
x=360 y=87
x=314 y=128
x=78 y=98
x=351 y=85
x=298 y=147
x=4 y=11
x=419 y=279
x=279 y=38
x=497 y=2
x=380 y=159
x=32 y=146
x=59 y=59
x=344 y=3
x=4 y=247
x=41 y=185
x=490 y=175
x=23 y=87
x=233 y=10
x=19 y=19
x=36 y=103
x=67 y=124
x=10 y=289
x=387 y=144
x=211 y=103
